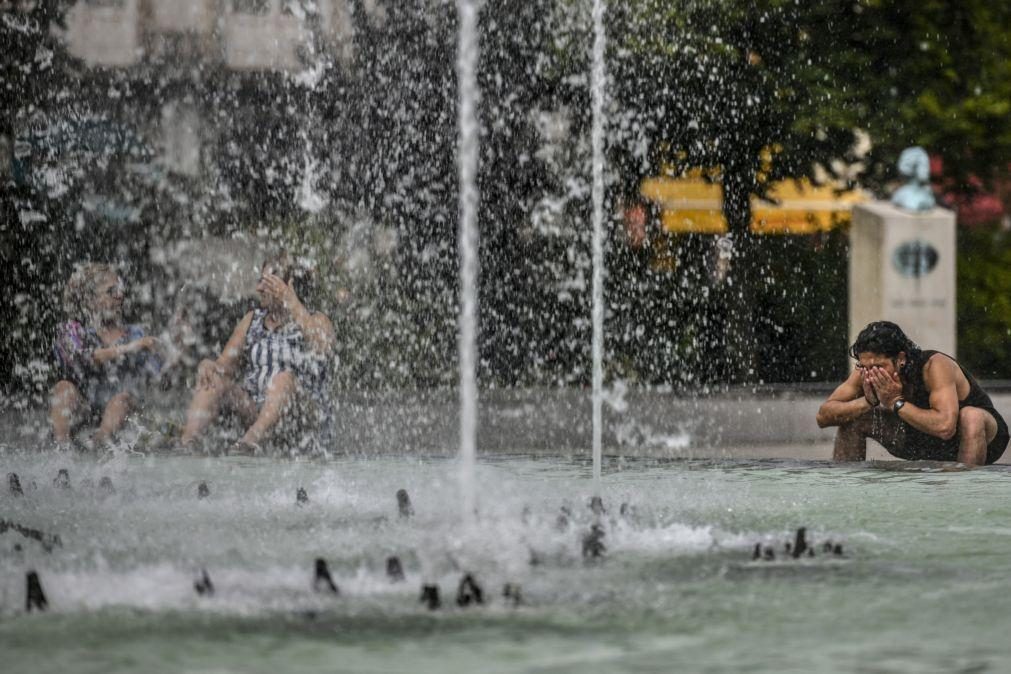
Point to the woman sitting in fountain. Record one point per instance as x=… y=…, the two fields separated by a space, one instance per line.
x=104 y=364
x=272 y=372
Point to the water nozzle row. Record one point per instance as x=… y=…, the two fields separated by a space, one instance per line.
x=797 y=549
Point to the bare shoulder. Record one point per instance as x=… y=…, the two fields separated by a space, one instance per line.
x=941 y=369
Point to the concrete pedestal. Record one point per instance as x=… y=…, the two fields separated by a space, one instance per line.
x=902 y=269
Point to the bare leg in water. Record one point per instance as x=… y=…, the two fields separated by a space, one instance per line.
x=65 y=407
x=851 y=438
x=210 y=400
x=279 y=400
x=115 y=413
x=976 y=429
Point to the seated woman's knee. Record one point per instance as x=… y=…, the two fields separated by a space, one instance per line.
x=64 y=389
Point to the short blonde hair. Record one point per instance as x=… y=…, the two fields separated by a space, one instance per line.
x=79 y=293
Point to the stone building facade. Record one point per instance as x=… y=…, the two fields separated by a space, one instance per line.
x=241 y=34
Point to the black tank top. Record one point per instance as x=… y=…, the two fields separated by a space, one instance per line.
x=916 y=392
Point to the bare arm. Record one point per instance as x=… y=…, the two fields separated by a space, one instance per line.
x=117 y=351
x=228 y=360
x=847 y=402
x=941 y=418
x=316 y=327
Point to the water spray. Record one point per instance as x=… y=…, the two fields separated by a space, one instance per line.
x=597 y=141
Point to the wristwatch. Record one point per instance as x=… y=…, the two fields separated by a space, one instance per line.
x=897 y=405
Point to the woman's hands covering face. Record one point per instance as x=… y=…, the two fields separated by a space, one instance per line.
x=280 y=293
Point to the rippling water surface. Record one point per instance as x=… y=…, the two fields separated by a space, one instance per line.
x=925 y=583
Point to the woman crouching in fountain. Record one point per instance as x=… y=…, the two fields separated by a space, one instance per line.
x=104 y=364
x=272 y=372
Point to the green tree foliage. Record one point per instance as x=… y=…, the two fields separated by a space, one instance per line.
x=984 y=301
x=706 y=83
x=933 y=73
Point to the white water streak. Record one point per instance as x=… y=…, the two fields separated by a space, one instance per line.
x=597 y=140
x=467 y=59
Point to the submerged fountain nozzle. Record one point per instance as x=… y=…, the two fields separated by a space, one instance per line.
x=469 y=592
x=512 y=593
x=323 y=580
x=769 y=554
x=430 y=597
x=203 y=491
x=105 y=484
x=203 y=585
x=800 y=543
x=757 y=552
x=62 y=479
x=394 y=569
x=404 y=506
x=593 y=542
x=597 y=506
x=301 y=496
x=14 y=484
x=35 y=598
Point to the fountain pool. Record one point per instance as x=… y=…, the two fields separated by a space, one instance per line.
x=923 y=585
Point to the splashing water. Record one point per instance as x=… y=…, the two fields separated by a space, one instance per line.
x=309 y=197
x=597 y=140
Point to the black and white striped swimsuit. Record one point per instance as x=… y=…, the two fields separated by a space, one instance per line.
x=271 y=351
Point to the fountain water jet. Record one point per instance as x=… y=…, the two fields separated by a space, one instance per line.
x=467 y=59
x=597 y=141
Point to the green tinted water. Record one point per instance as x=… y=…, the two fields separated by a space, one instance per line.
x=924 y=586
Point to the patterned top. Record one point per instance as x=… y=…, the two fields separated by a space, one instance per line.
x=283 y=349
x=73 y=351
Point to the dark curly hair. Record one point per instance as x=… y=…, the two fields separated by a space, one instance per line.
x=885 y=338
